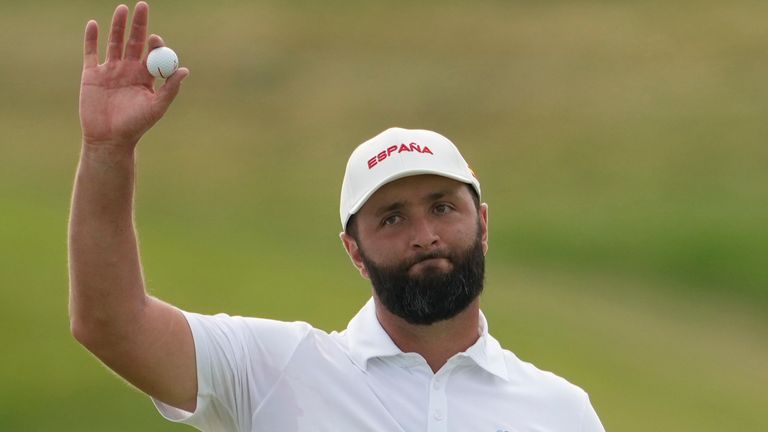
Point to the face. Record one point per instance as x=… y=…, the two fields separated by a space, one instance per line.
x=421 y=241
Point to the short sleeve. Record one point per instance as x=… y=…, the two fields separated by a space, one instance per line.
x=589 y=420
x=239 y=360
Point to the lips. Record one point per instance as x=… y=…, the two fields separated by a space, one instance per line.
x=431 y=260
x=431 y=263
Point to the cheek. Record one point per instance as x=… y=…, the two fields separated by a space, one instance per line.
x=466 y=235
x=377 y=252
x=384 y=248
x=383 y=257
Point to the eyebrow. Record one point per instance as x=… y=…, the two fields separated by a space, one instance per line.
x=391 y=207
x=398 y=205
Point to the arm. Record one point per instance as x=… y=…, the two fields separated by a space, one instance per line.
x=144 y=340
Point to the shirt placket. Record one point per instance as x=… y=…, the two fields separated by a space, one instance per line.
x=437 y=419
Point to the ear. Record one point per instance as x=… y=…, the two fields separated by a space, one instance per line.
x=484 y=226
x=353 y=250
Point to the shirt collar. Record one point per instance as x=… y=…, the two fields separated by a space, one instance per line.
x=368 y=339
x=487 y=352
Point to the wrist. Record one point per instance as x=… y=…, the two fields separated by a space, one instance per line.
x=108 y=152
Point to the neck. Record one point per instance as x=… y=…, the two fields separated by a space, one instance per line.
x=436 y=342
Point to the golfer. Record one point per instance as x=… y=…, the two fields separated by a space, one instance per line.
x=416 y=357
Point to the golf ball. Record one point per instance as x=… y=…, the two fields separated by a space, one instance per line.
x=162 y=62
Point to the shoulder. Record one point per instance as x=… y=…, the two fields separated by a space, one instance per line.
x=539 y=383
x=223 y=329
x=241 y=324
x=558 y=402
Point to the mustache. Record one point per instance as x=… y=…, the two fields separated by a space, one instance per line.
x=426 y=256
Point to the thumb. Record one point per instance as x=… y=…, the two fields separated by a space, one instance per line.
x=168 y=91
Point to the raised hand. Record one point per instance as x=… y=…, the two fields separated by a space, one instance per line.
x=118 y=100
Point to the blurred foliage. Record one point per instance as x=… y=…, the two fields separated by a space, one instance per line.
x=620 y=145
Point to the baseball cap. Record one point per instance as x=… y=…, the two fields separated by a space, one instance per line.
x=394 y=154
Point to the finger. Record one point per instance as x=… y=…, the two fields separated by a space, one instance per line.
x=138 y=35
x=91 y=45
x=155 y=41
x=167 y=93
x=115 y=48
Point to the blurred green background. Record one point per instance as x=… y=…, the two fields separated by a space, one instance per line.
x=621 y=147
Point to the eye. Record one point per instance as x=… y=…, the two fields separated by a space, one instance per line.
x=391 y=220
x=443 y=209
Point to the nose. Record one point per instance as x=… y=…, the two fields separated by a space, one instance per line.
x=424 y=236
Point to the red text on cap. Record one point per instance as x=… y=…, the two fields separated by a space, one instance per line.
x=412 y=147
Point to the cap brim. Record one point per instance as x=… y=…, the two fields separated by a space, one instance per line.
x=458 y=177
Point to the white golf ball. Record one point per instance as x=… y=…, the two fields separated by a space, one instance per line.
x=162 y=62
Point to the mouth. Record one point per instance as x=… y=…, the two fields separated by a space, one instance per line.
x=432 y=264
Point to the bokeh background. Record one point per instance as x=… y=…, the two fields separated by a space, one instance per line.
x=621 y=147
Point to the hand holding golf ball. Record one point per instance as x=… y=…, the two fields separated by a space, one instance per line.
x=162 y=62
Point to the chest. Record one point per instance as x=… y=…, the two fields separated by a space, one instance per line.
x=391 y=396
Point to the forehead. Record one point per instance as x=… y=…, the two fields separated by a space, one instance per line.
x=415 y=189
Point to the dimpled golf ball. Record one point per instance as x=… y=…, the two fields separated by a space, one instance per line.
x=162 y=62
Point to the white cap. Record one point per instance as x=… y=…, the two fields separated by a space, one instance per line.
x=394 y=154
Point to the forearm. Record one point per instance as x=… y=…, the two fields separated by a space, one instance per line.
x=106 y=286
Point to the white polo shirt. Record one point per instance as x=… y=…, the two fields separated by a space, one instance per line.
x=264 y=375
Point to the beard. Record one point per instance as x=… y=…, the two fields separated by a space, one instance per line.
x=434 y=295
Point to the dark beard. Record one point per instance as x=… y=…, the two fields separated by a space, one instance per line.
x=435 y=295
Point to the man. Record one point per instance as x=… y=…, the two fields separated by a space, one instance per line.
x=417 y=357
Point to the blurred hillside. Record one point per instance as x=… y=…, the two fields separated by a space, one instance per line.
x=620 y=145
